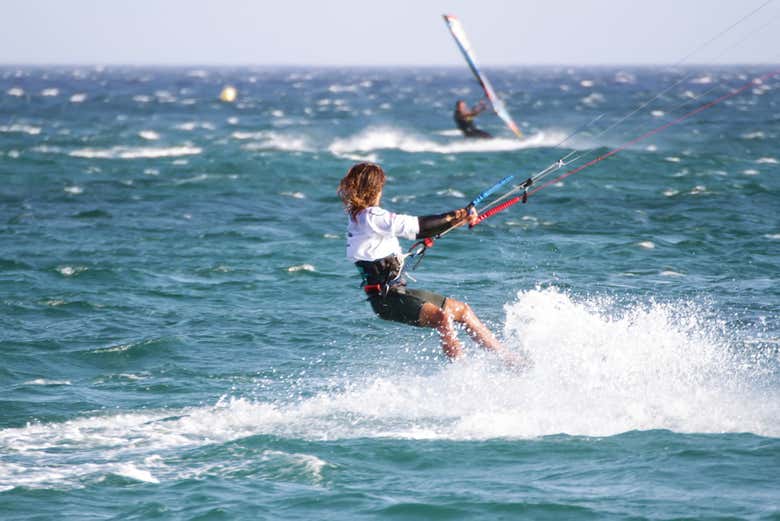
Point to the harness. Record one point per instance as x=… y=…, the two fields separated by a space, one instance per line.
x=382 y=274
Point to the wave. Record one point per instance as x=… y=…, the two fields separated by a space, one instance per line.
x=69 y=271
x=122 y=152
x=374 y=139
x=24 y=129
x=594 y=99
x=703 y=80
x=131 y=445
x=265 y=140
x=335 y=88
x=149 y=135
x=365 y=144
x=193 y=125
x=451 y=132
x=598 y=369
x=301 y=267
x=44 y=381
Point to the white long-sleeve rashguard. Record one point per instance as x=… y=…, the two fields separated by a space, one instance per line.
x=374 y=233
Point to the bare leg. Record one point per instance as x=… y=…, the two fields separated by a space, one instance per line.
x=462 y=313
x=433 y=316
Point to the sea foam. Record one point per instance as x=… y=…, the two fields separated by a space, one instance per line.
x=266 y=140
x=373 y=139
x=122 y=152
x=597 y=368
x=24 y=129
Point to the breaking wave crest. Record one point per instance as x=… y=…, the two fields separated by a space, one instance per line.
x=374 y=139
x=269 y=140
x=122 y=152
x=371 y=140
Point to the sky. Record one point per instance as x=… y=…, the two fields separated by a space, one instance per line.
x=396 y=32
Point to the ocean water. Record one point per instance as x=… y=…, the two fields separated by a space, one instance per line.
x=182 y=337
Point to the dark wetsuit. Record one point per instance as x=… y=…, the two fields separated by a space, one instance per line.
x=466 y=125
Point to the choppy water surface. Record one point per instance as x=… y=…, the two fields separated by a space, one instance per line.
x=182 y=338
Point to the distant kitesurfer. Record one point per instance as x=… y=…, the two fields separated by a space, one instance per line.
x=372 y=244
x=464 y=119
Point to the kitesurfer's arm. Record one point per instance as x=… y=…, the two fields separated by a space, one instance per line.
x=433 y=225
x=475 y=110
x=389 y=224
x=478 y=108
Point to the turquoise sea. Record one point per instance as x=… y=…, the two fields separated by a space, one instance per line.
x=182 y=337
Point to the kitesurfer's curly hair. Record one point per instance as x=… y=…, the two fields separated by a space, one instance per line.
x=360 y=187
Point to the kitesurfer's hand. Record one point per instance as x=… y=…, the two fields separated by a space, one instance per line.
x=473 y=215
x=462 y=216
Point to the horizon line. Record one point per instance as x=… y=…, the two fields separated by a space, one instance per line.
x=379 y=66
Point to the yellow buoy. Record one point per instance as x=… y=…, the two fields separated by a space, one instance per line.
x=228 y=94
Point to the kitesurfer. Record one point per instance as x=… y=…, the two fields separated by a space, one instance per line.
x=372 y=244
x=464 y=119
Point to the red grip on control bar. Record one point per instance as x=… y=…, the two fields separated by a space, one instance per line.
x=500 y=208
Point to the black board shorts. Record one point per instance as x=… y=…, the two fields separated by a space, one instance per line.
x=404 y=304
